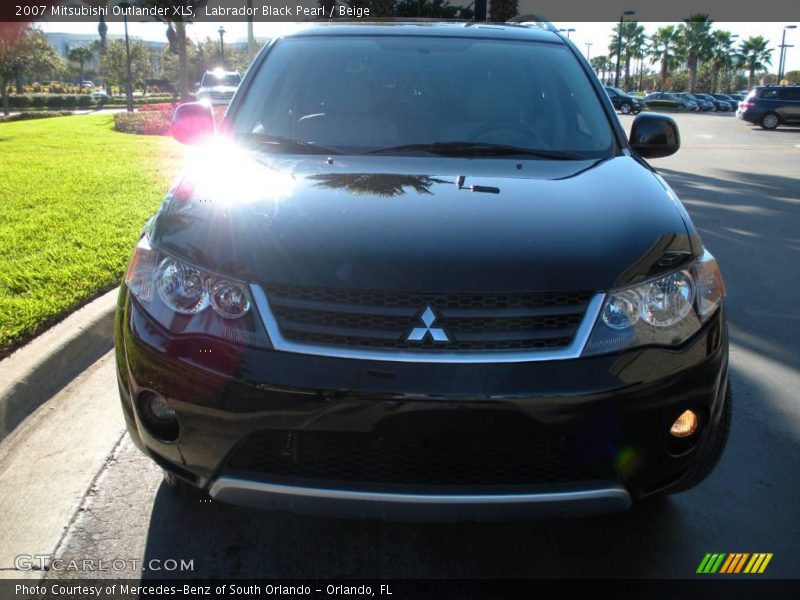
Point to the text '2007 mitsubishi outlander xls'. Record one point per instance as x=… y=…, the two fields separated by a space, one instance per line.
x=419 y=272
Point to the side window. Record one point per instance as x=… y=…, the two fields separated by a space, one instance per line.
x=792 y=94
x=770 y=95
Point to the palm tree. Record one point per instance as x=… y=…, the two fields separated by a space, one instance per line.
x=599 y=65
x=663 y=47
x=755 y=56
x=81 y=56
x=176 y=32
x=632 y=39
x=722 y=56
x=503 y=10
x=696 y=42
x=634 y=49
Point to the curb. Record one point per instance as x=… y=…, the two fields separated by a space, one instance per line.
x=34 y=373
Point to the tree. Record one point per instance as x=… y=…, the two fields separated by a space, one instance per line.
x=176 y=31
x=502 y=10
x=721 y=58
x=755 y=56
x=635 y=49
x=599 y=65
x=80 y=56
x=114 y=62
x=633 y=39
x=663 y=47
x=695 y=42
x=23 y=50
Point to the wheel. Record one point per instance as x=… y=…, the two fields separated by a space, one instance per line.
x=182 y=489
x=712 y=453
x=625 y=108
x=770 y=121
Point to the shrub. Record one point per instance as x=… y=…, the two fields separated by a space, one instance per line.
x=85 y=101
x=55 y=101
x=27 y=116
x=38 y=102
x=144 y=123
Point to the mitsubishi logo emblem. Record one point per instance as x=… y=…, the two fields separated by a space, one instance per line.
x=428 y=318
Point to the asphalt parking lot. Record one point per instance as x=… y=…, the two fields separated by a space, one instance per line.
x=742 y=188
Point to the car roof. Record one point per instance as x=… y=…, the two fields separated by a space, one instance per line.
x=470 y=29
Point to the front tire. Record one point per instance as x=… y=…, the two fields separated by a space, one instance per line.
x=625 y=108
x=770 y=121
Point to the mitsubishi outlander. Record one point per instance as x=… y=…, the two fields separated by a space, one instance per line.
x=419 y=272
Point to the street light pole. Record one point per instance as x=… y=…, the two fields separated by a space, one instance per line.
x=568 y=31
x=783 y=52
x=588 y=50
x=129 y=82
x=251 y=42
x=222 y=44
x=627 y=13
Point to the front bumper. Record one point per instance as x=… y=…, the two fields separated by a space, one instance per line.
x=602 y=422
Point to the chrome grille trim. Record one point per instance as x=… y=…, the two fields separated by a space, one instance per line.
x=572 y=351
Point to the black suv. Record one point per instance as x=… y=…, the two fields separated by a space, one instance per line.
x=624 y=103
x=418 y=271
x=771 y=106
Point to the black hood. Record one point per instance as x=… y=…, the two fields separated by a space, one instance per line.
x=425 y=224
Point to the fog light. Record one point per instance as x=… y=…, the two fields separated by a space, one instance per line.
x=685 y=425
x=159 y=410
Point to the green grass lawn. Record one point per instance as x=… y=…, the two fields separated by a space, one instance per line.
x=74 y=195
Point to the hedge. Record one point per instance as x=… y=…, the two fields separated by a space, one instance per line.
x=56 y=101
x=144 y=123
x=27 y=116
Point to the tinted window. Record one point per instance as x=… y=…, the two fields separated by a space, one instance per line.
x=791 y=94
x=229 y=79
x=769 y=94
x=363 y=93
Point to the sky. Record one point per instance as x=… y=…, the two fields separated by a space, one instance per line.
x=598 y=34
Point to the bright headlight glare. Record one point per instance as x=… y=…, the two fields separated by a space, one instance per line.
x=709 y=284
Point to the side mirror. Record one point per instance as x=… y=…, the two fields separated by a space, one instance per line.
x=654 y=135
x=193 y=123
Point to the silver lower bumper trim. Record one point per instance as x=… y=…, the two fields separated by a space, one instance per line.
x=598 y=499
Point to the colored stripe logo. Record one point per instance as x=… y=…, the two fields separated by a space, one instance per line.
x=737 y=562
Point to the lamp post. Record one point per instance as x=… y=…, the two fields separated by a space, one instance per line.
x=221 y=32
x=251 y=42
x=129 y=82
x=588 y=50
x=627 y=13
x=568 y=31
x=783 y=52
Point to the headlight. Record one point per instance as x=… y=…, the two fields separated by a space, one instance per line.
x=188 y=300
x=661 y=312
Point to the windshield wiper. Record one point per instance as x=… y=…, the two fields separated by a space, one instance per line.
x=477 y=149
x=285 y=143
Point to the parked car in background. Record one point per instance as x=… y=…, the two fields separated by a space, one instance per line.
x=624 y=103
x=771 y=106
x=703 y=105
x=719 y=105
x=665 y=101
x=87 y=84
x=218 y=86
x=99 y=97
x=725 y=98
x=694 y=105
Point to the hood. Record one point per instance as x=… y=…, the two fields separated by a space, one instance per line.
x=424 y=224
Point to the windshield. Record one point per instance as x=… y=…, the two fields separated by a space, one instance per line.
x=367 y=94
x=227 y=79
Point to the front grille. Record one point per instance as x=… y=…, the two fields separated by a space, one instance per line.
x=383 y=319
x=498 y=458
